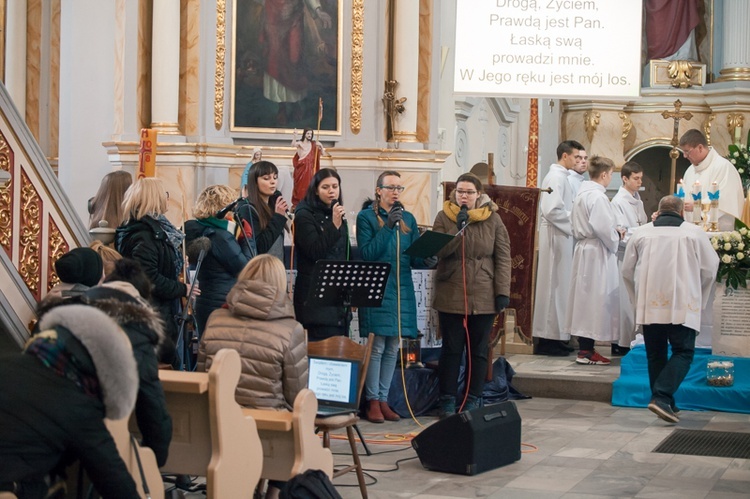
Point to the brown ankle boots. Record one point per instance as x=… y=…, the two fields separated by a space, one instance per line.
x=388 y=413
x=373 y=413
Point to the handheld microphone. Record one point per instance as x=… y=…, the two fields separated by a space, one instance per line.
x=272 y=203
x=464 y=210
x=223 y=212
x=397 y=205
x=338 y=201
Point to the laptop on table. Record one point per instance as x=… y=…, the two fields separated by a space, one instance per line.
x=335 y=383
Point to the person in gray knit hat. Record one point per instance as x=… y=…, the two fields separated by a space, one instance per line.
x=54 y=397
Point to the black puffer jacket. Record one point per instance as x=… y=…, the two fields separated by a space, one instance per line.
x=48 y=420
x=146 y=242
x=145 y=330
x=316 y=238
x=220 y=267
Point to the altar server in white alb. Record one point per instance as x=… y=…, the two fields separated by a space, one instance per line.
x=555 y=254
x=630 y=215
x=668 y=270
x=594 y=304
x=577 y=174
x=707 y=166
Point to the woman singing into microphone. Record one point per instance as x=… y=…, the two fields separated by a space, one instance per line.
x=320 y=233
x=385 y=230
x=267 y=223
x=472 y=284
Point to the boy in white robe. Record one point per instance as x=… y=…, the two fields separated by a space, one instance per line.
x=576 y=175
x=629 y=214
x=594 y=304
x=707 y=166
x=555 y=255
x=669 y=258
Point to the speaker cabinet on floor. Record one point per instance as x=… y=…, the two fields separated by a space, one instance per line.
x=472 y=442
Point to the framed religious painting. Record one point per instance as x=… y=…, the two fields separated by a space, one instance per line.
x=286 y=66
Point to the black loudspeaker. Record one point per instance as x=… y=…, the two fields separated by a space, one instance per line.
x=472 y=442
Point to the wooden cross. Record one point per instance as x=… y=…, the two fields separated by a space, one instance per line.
x=676 y=115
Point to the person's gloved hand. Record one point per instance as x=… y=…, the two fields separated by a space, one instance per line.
x=501 y=302
x=461 y=219
x=394 y=216
x=430 y=261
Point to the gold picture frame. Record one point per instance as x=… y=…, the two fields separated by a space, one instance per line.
x=286 y=58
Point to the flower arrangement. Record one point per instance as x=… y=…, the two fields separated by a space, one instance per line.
x=739 y=156
x=733 y=249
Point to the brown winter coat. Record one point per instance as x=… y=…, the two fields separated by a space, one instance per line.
x=487 y=247
x=260 y=325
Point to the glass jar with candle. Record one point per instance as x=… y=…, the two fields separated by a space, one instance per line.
x=720 y=372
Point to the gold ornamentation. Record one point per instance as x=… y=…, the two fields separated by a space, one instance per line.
x=6 y=199
x=735 y=122
x=358 y=42
x=707 y=128
x=590 y=123
x=680 y=73
x=57 y=248
x=30 y=237
x=627 y=125
x=221 y=26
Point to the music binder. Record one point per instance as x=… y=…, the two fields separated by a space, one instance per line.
x=428 y=244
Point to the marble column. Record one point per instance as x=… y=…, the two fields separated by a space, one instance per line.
x=165 y=67
x=15 y=53
x=735 y=64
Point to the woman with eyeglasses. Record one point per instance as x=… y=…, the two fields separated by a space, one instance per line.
x=320 y=233
x=263 y=216
x=472 y=285
x=384 y=231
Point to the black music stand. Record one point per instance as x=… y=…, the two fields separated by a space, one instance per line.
x=348 y=284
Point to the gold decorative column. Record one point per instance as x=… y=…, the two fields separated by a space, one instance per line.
x=358 y=43
x=532 y=161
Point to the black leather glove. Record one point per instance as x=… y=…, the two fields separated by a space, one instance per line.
x=394 y=216
x=461 y=219
x=430 y=261
x=501 y=302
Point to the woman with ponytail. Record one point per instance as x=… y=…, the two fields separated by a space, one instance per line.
x=472 y=285
x=384 y=231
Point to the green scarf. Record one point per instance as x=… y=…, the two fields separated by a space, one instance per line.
x=221 y=223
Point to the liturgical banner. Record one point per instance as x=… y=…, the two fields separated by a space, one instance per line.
x=517 y=207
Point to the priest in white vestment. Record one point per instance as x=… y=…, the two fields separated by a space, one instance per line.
x=555 y=254
x=576 y=175
x=669 y=270
x=594 y=304
x=630 y=215
x=707 y=166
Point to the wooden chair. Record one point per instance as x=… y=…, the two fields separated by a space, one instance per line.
x=341 y=347
x=290 y=445
x=127 y=449
x=211 y=435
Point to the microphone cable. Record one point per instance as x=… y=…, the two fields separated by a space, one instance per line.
x=467 y=371
x=398 y=321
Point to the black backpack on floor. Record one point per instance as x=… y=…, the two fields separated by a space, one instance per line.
x=312 y=484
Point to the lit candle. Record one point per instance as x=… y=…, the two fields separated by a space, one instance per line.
x=697 y=194
x=680 y=189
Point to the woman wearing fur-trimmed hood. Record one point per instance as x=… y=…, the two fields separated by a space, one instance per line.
x=54 y=397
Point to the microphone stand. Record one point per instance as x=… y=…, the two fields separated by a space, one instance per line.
x=240 y=219
x=186 y=364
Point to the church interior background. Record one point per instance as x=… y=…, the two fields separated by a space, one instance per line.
x=87 y=76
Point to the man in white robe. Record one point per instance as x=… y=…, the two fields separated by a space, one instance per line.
x=707 y=166
x=630 y=215
x=593 y=312
x=576 y=175
x=555 y=254
x=669 y=270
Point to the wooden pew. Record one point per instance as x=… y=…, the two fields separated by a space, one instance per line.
x=290 y=444
x=211 y=436
x=121 y=435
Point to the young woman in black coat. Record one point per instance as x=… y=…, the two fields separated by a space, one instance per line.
x=150 y=239
x=320 y=233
